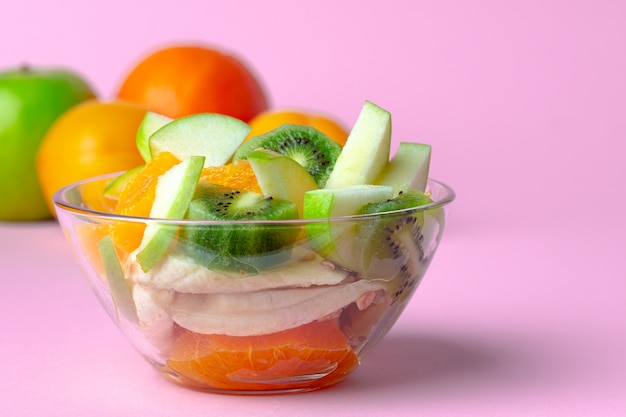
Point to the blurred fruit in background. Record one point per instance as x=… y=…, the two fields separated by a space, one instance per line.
x=31 y=99
x=271 y=119
x=185 y=79
x=91 y=139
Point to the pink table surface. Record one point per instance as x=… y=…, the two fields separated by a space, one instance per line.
x=506 y=323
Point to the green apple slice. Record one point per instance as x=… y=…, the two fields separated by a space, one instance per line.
x=387 y=245
x=366 y=151
x=327 y=236
x=150 y=124
x=216 y=137
x=174 y=192
x=118 y=286
x=280 y=176
x=117 y=185
x=345 y=201
x=408 y=169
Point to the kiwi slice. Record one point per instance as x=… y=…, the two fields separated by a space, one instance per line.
x=392 y=243
x=232 y=246
x=312 y=149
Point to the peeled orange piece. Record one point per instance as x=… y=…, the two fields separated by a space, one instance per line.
x=93 y=196
x=240 y=176
x=136 y=200
x=89 y=235
x=310 y=356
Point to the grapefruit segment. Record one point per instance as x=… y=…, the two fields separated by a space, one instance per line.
x=310 y=356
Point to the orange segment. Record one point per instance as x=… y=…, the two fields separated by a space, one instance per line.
x=137 y=197
x=92 y=194
x=310 y=356
x=89 y=235
x=136 y=200
x=240 y=176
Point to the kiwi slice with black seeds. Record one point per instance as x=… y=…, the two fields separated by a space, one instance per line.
x=393 y=242
x=312 y=149
x=229 y=246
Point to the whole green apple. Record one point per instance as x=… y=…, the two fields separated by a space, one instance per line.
x=31 y=99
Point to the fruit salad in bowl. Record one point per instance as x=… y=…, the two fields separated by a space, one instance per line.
x=261 y=265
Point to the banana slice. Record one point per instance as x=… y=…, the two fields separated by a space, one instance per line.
x=179 y=273
x=262 y=312
x=156 y=324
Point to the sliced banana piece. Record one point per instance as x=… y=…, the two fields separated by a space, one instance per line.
x=262 y=312
x=155 y=322
x=179 y=273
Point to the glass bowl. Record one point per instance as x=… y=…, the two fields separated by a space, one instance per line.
x=297 y=314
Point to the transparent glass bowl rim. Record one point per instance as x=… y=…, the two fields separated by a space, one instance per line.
x=60 y=201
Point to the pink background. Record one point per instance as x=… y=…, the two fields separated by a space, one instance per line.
x=523 y=312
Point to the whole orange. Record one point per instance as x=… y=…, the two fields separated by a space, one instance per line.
x=181 y=80
x=271 y=119
x=90 y=139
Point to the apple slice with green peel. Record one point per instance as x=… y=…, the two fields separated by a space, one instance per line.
x=174 y=191
x=216 y=137
x=389 y=240
x=408 y=169
x=344 y=201
x=151 y=123
x=326 y=236
x=366 y=151
x=280 y=176
x=118 y=286
x=117 y=185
